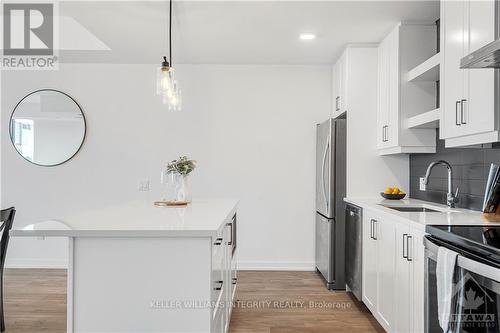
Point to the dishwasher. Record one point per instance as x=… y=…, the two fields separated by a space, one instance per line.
x=353 y=248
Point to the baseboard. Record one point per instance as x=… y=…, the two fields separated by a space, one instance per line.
x=276 y=265
x=36 y=263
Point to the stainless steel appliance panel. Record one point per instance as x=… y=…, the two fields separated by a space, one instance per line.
x=325 y=162
x=353 y=251
x=330 y=206
x=471 y=278
x=324 y=246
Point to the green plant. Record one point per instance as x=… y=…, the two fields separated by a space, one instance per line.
x=182 y=166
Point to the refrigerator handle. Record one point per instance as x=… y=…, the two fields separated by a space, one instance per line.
x=323 y=174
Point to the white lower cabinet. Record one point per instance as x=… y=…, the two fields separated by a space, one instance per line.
x=223 y=277
x=393 y=272
x=384 y=236
x=417 y=280
x=378 y=275
x=409 y=300
x=402 y=321
x=369 y=272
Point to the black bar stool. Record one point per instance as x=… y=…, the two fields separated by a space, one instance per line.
x=6 y=220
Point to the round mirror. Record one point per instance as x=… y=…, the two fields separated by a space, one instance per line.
x=47 y=127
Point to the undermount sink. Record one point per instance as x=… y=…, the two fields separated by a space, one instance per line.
x=414 y=209
x=418 y=208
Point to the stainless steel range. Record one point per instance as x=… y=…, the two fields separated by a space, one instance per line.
x=476 y=280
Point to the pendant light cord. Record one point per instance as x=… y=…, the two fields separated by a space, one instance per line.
x=170 y=34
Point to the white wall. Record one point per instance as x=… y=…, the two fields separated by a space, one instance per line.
x=368 y=173
x=251 y=129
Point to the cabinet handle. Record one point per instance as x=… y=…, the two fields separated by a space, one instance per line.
x=408 y=248
x=386 y=133
x=371 y=228
x=405 y=239
x=235 y=280
x=375 y=237
x=337 y=103
x=457 y=122
x=230 y=224
x=462 y=111
x=221 y=283
x=218 y=241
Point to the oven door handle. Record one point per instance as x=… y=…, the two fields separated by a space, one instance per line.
x=472 y=266
x=479 y=268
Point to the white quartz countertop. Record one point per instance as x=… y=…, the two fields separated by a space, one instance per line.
x=446 y=216
x=201 y=218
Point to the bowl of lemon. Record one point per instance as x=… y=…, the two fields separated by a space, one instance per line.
x=393 y=193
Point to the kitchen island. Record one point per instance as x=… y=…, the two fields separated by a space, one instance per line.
x=135 y=267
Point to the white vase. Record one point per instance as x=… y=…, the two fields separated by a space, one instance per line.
x=183 y=192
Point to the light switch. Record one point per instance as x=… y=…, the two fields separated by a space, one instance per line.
x=423 y=187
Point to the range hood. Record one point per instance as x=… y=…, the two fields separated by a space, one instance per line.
x=489 y=55
x=486 y=57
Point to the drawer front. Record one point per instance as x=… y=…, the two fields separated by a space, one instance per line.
x=234 y=278
x=217 y=269
x=218 y=323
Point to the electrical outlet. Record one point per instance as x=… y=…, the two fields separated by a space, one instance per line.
x=144 y=185
x=423 y=187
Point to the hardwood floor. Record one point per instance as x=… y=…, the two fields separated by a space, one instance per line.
x=35 y=300
x=267 y=302
x=295 y=302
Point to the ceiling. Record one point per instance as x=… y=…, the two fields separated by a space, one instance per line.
x=235 y=32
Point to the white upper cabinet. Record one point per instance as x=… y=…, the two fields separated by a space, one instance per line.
x=467 y=95
x=384 y=140
x=406 y=46
x=452 y=84
x=339 y=75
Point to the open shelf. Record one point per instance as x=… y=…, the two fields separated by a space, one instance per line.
x=426 y=71
x=429 y=119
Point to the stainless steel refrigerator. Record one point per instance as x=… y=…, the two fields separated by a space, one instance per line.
x=330 y=207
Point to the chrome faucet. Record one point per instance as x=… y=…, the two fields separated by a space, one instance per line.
x=451 y=199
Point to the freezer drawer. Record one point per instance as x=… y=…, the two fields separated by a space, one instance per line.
x=324 y=247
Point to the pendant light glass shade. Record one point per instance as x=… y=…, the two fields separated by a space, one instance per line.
x=166 y=84
x=168 y=88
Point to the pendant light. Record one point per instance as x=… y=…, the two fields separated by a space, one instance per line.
x=166 y=84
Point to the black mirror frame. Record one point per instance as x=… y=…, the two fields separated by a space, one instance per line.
x=84 y=127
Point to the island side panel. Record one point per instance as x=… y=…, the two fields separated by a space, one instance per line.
x=141 y=284
x=69 y=284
